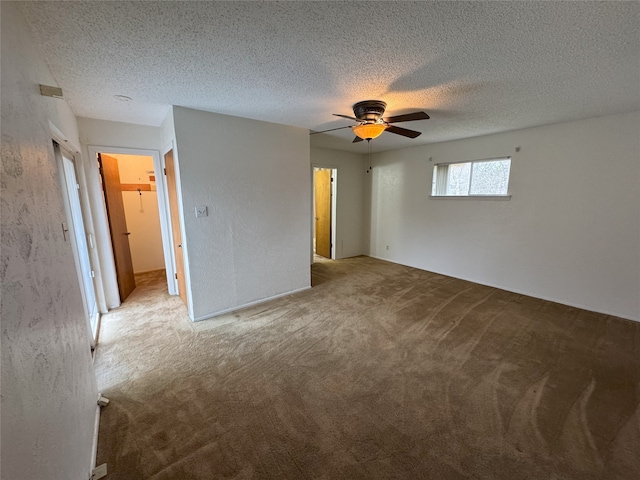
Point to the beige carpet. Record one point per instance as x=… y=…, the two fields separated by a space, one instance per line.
x=380 y=371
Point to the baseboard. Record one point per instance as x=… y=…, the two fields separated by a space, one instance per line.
x=519 y=292
x=96 y=429
x=250 y=304
x=94 y=340
x=149 y=271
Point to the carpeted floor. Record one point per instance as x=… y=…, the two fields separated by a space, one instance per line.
x=380 y=371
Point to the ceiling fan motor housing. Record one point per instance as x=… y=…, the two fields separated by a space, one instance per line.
x=369 y=110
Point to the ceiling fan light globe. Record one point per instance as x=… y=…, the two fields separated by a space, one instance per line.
x=367 y=131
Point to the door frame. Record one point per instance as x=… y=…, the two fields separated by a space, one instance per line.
x=85 y=205
x=106 y=249
x=334 y=202
x=171 y=146
x=80 y=244
x=170 y=171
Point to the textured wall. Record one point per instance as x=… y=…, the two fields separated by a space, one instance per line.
x=350 y=201
x=48 y=385
x=254 y=178
x=570 y=233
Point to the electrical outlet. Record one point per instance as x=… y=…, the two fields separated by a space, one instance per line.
x=201 y=211
x=387 y=247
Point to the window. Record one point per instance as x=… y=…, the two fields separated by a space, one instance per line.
x=467 y=179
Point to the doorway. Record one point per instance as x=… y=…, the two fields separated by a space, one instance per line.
x=172 y=196
x=108 y=275
x=74 y=232
x=324 y=186
x=131 y=201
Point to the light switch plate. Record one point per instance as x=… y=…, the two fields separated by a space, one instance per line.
x=201 y=211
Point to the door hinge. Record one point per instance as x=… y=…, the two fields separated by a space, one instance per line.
x=92 y=274
x=98 y=472
x=165 y=171
x=176 y=276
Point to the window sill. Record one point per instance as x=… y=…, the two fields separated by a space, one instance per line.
x=472 y=197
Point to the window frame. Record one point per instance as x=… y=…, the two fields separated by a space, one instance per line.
x=475 y=196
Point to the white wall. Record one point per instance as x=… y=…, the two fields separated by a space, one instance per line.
x=141 y=212
x=49 y=390
x=168 y=133
x=254 y=179
x=118 y=134
x=570 y=233
x=351 y=175
x=113 y=135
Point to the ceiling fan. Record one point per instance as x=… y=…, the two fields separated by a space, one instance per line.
x=368 y=114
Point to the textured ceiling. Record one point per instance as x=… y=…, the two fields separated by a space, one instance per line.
x=475 y=67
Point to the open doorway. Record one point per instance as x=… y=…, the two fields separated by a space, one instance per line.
x=174 y=212
x=131 y=202
x=324 y=186
x=75 y=233
x=101 y=221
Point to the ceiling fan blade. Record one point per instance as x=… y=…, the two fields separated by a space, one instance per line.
x=409 y=117
x=347 y=116
x=330 y=130
x=357 y=139
x=405 y=132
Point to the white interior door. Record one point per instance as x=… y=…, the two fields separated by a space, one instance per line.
x=78 y=238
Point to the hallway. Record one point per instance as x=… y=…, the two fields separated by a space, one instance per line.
x=136 y=318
